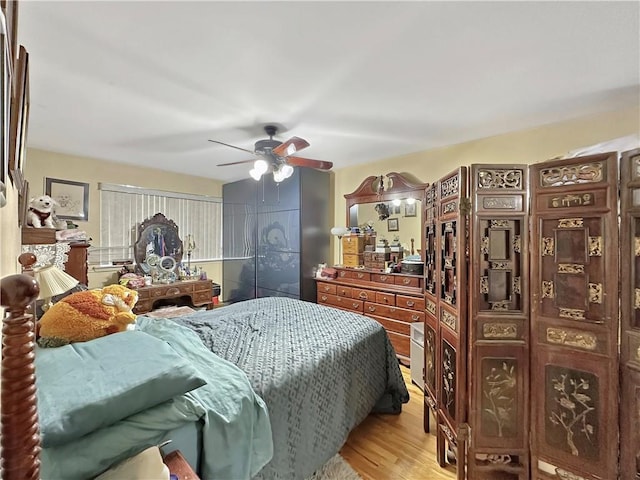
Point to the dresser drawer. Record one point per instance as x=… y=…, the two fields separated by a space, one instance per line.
x=343 y=291
x=357 y=275
x=342 y=302
x=201 y=297
x=414 y=303
x=394 y=313
x=363 y=294
x=326 y=288
x=382 y=278
x=353 y=244
x=392 y=325
x=352 y=259
x=385 y=298
x=413 y=281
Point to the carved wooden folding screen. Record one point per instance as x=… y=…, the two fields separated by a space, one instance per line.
x=446 y=300
x=574 y=316
x=630 y=315
x=499 y=323
x=431 y=358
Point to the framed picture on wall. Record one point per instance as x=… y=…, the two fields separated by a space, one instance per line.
x=392 y=225
x=72 y=198
x=19 y=118
x=409 y=209
x=5 y=103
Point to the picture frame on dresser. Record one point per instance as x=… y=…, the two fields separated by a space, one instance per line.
x=72 y=198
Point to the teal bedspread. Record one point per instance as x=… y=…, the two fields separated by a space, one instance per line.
x=236 y=436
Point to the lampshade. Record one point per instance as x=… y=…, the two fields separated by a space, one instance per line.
x=53 y=281
x=340 y=231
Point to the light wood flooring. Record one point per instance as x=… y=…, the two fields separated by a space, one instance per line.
x=395 y=447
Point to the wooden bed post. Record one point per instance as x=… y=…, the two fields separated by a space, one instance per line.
x=20 y=433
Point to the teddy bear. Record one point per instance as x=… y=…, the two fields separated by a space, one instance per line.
x=83 y=316
x=40 y=212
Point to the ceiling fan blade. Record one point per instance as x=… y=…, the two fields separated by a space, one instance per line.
x=291 y=146
x=232 y=146
x=235 y=163
x=308 y=162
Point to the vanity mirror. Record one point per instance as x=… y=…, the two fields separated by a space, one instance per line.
x=391 y=206
x=158 y=248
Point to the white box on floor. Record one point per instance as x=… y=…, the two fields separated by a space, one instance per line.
x=416 y=353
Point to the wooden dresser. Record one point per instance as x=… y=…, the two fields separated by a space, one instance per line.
x=198 y=292
x=395 y=300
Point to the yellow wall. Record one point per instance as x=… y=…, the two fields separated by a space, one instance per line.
x=41 y=164
x=525 y=146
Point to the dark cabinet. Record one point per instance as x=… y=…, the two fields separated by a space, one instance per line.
x=274 y=235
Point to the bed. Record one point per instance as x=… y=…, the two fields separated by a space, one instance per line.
x=302 y=388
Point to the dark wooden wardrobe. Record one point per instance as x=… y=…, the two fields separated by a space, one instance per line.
x=274 y=235
x=529 y=276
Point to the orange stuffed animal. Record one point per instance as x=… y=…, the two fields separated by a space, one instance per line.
x=83 y=316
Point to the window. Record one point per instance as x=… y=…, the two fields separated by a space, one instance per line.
x=123 y=208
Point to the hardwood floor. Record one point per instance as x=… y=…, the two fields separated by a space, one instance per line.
x=395 y=447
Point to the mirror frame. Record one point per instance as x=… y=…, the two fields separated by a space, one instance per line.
x=140 y=247
x=385 y=188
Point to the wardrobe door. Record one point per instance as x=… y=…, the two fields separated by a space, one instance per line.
x=499 y=323
x=574 y=318
x=451 y=311
x=239 y=240
x=630 y=315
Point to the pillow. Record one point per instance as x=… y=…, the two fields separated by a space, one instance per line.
x=86 y=386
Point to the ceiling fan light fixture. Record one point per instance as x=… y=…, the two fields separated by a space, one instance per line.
x=261 y=166
x=255 y=174
x=411 y=201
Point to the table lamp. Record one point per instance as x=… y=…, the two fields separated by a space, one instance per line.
x=340 y=232
x=53 y=281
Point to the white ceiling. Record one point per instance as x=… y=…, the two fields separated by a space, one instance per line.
x=148 y=83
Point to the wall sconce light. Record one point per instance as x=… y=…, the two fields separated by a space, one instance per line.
x=53 y=281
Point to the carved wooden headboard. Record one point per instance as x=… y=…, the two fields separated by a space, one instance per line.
x=20 y=433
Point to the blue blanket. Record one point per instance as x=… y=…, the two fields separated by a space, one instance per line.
x=236 y=435
x=320 y=370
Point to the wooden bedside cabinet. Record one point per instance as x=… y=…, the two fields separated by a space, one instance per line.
x=179 y=466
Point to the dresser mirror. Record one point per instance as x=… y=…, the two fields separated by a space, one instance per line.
x=158 y=248
x=390 y=205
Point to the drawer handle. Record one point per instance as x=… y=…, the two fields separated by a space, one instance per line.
x=415 y=317
x=343 y=274
x=406 y=281
x=361 y=275
x=324 y=298
x=173 y=291
x=356 y=306
x=364 y=295
x=383 y=278
x=410 y=303
x=372 y=308
x=343 y=291
x=385 y=299
x=327 y=288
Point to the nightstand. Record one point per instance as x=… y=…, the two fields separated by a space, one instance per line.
x=178 y=466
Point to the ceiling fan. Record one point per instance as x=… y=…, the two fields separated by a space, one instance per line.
x=277 y=156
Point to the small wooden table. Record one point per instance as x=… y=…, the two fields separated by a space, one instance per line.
x=198 y=292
